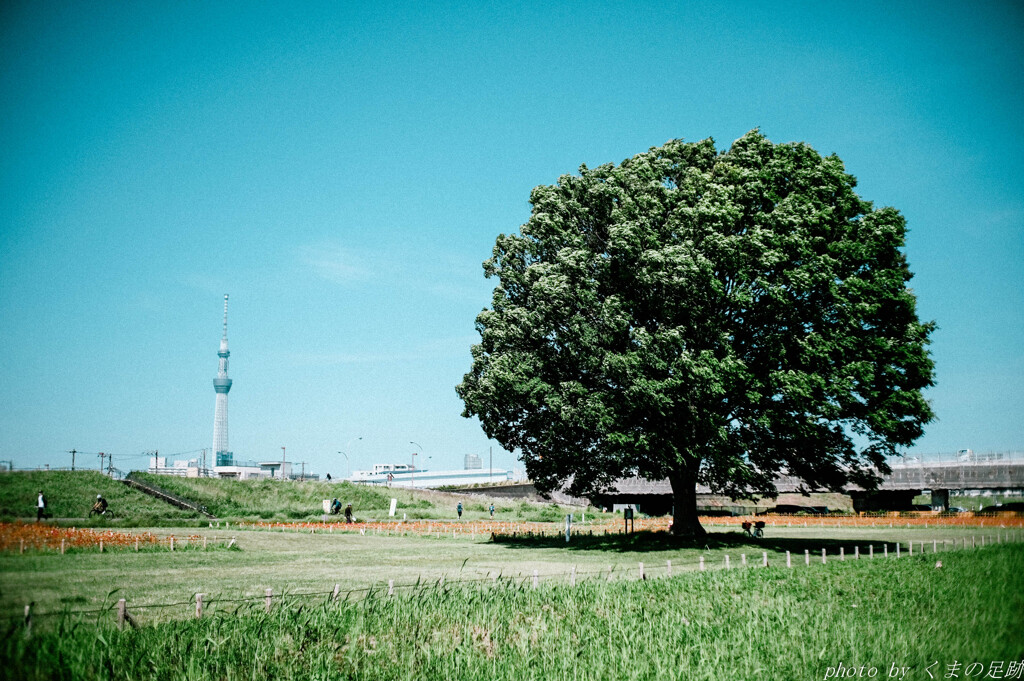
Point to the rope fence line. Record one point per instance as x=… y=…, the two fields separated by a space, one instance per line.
x=641 y=572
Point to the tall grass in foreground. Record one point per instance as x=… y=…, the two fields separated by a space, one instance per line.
x=757 y=624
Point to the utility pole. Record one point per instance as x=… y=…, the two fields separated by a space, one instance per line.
x=490 y=456
x=303 y=470
x=283 y=459
x=110 y=464
x=72 y=452
x=102 y=457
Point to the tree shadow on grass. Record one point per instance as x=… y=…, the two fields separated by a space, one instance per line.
x=649 y=542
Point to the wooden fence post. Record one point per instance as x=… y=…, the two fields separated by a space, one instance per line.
x=856 y=553
x=136 y=543
x=823 y=556
x=22 y=549
x=702 y=562
x=743 y=558
x=642 y=572
x=807 y=556
x=842 y=553
x=199 y=605
x=935 y=546
x=122 y=609
x=172 y=542
x=28 y=621
x=391 y=587
x=910 y=547
x=727 y=562
x=204 y=542
x=885 y=550
x=101 y=546
x=536 y=579
x=62 y=546
x=897 y=549
x=669 y=565
x=871 y=551
x=334 y=596
x=269 y=599
x=789 y=560
x=764 y=559
x=572 y=576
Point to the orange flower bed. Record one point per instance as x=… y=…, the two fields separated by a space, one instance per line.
x=37 y=536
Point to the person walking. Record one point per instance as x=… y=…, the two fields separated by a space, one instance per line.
x=492 y=510
x=459 y=509
x=40 y=506
x=348 y=514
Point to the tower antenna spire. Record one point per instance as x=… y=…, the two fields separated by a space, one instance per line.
x=225 y=316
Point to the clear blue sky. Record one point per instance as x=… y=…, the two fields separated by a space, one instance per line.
x=342 y=171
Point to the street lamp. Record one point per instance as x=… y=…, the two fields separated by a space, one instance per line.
x=282 y=462
x=412 y=473
x=347 y=462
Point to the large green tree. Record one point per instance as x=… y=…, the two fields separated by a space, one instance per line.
x=706 y=317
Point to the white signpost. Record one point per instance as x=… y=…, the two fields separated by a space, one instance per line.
x=394 y=505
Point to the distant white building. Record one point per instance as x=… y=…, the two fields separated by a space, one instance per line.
x=473 y=462
x=404 y=475
x=238 y=470
x=183 y=469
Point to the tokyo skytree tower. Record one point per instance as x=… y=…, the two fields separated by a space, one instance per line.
x=222 y=384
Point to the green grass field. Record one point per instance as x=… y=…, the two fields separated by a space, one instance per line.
x=754 y=624
x=464 y=606
x=293 y=561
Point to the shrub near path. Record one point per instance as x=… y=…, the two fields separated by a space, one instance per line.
x=756 y=625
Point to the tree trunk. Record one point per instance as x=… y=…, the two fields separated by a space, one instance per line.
x=684 y=500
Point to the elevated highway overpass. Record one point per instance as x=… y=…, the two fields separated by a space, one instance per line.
x=940 y=474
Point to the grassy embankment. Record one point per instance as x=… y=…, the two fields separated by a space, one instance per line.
x=70 y=495
x=289 y=500
x=755 y=624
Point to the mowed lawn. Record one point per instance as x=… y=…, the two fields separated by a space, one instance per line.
x=300 y=562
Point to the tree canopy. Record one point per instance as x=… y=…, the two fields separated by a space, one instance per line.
x=702 y=316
